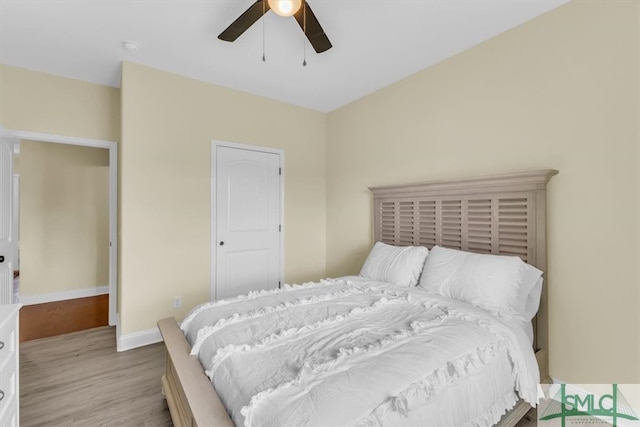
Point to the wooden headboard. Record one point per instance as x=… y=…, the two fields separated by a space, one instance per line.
x=501 y=215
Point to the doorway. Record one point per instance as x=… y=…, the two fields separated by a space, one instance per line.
x=247 y=219
x=111 y=148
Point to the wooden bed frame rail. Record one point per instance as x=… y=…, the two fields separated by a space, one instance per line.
x=190 y=396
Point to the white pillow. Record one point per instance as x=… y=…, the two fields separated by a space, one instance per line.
x=400 y=265
x=532 y=299
x=500 y=284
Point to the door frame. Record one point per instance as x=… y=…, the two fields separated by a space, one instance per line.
x=214 y=194
x=112 y=146
x=16 y=216
x=11 y=249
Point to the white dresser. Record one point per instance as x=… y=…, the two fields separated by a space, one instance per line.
x=9 y=363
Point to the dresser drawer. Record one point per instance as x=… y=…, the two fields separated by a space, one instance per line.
x=8 y=341
x=8 y=385
x=9 y=391
x=9 y=417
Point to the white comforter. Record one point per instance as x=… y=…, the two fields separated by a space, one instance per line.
x=340 y=353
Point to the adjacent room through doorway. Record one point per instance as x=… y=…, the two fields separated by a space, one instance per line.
x=64 y=237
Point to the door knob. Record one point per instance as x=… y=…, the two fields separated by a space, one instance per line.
x=1 y=258
x=221 y=243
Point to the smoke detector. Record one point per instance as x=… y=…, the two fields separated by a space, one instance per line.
x=131 y=46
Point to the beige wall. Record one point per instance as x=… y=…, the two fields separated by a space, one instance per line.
x=64 y=222
x=38 y=102
x=168 y=122
x=560 y=91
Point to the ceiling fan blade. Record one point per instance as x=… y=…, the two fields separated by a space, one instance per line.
x=314 y=31
x=244 y=21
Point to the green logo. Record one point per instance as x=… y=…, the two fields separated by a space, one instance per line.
x=609 y=407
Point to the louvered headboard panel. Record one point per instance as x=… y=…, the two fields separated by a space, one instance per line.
x=502 y=215
x=492 y=225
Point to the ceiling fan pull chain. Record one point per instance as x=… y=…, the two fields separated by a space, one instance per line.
x=304 y=35
x=264 y=11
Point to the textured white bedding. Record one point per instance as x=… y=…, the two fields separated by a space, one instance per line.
x=355 y=352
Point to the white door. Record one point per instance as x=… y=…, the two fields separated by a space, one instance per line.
x=248 y=203
x=7 y=239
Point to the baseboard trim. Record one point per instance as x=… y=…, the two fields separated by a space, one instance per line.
x=63 y=295
x=138 y=339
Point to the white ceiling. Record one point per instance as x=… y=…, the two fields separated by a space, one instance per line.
x=375 y=42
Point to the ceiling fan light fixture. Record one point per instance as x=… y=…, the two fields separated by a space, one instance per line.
x=285 y=7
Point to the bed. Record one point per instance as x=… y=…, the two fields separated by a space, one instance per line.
x=500 y=215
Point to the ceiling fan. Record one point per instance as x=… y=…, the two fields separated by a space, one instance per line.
x=299 y=9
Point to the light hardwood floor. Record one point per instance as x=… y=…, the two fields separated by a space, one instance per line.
x=79 y=379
